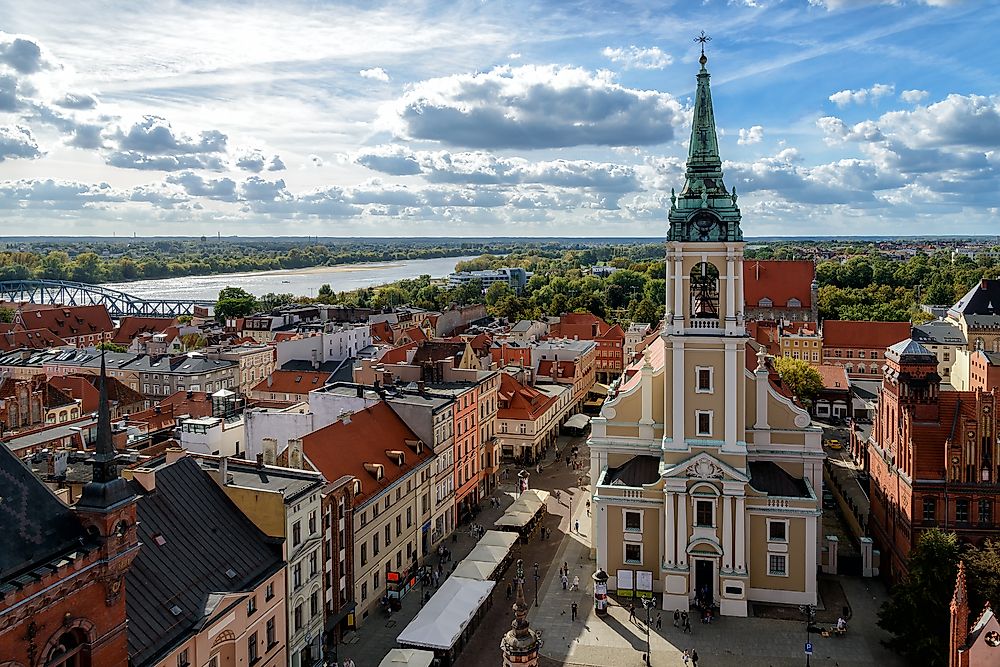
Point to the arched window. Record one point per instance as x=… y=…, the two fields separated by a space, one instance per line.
x=71 y=650
x=705 y=291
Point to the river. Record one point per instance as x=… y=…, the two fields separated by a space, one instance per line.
x=300 y=282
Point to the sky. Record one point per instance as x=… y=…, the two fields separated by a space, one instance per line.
x=493 y=117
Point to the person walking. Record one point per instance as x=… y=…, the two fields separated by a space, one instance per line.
x=687 y=657
x=631 y=611
x=573 y=607
x=578 y=526
x=677 y=617
x=687 y=625
x=565 y=581
x=694 y=657
x=659 y=621
x=510 y=590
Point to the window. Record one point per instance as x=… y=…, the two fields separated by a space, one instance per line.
x=633 y=521
x=947 y=356
x=183 y=659
x=251 y=605
x=776 y=565
x=399 y=524
x=297 y=617
x=296 y=533
x=861 y=354
x=364 y=554
x=312 y=522
x=272 y=637
x=930 y=509
x=252 y=655
x=703 y=513
x=314 y=604
x=376 y=582
x=409 y=517
x=777 y=531
x=704 y=380
x=985 y=512
x=269 y=592
x=704 y=421
x=388 y=535
x=313 y=563
x=962 y=510
x=633 y=553
x=375 y=544
x=364 y=592
x=364 y=519
x=297 y=575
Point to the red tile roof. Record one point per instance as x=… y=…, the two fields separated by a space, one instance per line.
x=382 y=331
x=130 y=327
x=37 y=339
x=519 y=401
x=834 y=377
x=864 y=335
x=584 y=326
x=397 y=355
x=292 y=382
x=506 y=354
x=557 y=369
x=778 y=280
x=84 y=387
x=615 y=333
x=344 y=447
x=68 y=321
x=765 y=332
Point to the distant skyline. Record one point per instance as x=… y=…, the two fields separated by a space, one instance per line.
x=488 y=118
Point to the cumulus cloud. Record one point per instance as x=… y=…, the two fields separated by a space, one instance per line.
x=752 y=136
x=55 y=194
x=392 y=159
x=637 y=57
x=376 y=73
x=533 y=106
x=862 y=95
x=17 y=142
x=254 y=160
x=913 y=96
x=77 y=101
x=196 y=185
x=23 y=54
x=153 y=144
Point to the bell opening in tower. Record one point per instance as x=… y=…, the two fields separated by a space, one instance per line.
x=705 y=291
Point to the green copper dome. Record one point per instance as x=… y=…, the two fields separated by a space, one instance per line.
x=704 y=211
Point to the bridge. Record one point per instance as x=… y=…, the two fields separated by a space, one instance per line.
x=119 y=304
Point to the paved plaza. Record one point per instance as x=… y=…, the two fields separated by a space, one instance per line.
x=614 y=639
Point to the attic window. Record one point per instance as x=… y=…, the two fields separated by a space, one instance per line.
x=175 y=610
x=231 y=573
x=794 y=303
x=765 y=303
x=159 y=539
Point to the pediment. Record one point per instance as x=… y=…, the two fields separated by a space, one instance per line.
x=705 y=466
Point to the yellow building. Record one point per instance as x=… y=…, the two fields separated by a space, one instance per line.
x=801 y=340
x=706 y=474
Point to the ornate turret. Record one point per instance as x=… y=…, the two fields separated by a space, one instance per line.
x=520 y=645
x=705 y=210
x=107 y=490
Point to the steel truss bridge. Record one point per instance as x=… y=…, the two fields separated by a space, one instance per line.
x=119 y=304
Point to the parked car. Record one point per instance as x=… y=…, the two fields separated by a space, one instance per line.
x=834 y=444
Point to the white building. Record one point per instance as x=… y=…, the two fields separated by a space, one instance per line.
x=337 y=344
x=516 y=278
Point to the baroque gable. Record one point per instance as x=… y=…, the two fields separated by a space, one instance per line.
x=704 y=466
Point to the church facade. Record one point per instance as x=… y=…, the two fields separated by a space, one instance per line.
x=706 y=472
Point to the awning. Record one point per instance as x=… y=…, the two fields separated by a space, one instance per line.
x=577 y=421
x=446 y=615
x=484 y=554
x=497 y=538
x=478 y=570
x=332 y=621
x=599 y=389
x=410 y=657
x=515 y=519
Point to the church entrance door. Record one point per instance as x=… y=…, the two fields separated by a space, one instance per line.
x=704 y=579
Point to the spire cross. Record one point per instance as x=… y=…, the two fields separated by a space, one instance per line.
x=703 y=39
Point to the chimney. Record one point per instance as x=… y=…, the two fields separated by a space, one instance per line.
x=361 y=391
x=270 y=379
x=146 y=477
x=260 y=459
x=223 y=470
x=190 y=393
x=315 y=361
x=175 y=454
x=295 y=453
x=421 y=387
x=270 y=450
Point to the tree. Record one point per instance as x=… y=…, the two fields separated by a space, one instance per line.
x=270 y=301
x=111 y=347
x=804 y=380
x=982 y=572
x=325 y=294
x=645 y=311
x=917 y=614
x=235 y=302
x=6 y=314
x=496 y=292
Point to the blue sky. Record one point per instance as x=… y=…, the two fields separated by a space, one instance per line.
x=493 y=117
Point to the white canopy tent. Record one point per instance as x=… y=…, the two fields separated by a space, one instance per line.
x=497 y=538
x=474 y=569
x=485 y=554
x=515 y=519
x=577 y=421
x=446 y=615
x=407 y=657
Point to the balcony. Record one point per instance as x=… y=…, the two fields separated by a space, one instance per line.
x=703 y=323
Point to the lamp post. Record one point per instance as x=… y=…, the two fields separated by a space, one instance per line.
x=536 y=584
x=810 y=612
x=648 y=604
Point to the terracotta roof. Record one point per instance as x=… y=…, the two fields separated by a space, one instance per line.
x=778 y=280
x=865 y=335
x=194 y=403
x=834 y=377
x=765 y=332
x=414 y=334
x=69 y=321
x=382 y=331
x=84 y=387
x=292 y=382
x=283 y=336
x=36 y=339
x=585 y=326
x=557 y=369
x=397 y=355
x=505 y=354
x=615 y=333
x=519 y=401
x=130 y=327
x=434 y=351
x=344 y=447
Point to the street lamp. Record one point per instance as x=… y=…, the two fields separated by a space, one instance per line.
x=536 y=584
x=648 y=604
x=810 y=612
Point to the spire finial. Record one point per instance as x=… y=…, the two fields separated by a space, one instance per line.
x=703 y=39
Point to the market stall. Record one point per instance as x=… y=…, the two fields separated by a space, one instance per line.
x=448 y=619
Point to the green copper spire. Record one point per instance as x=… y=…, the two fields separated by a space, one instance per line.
x=704 y=211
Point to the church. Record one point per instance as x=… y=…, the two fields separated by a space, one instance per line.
x=707 y=473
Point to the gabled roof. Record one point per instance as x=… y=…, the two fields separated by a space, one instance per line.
x=130 y=327
x=772 y=479
x=521 y=402
x=585 y=326
x=430 y=351
x=866 y=335
x=615 y=333
x=982 y=299
x=83 y=386
x=203 y=537
x=396 y=355
x=292 y=382
x=36 y=339
x=834 y=377
x=68 y=321
x=779 y=281
x=37 y=527
x=557 y=370
x=938 y=332
x=345 y=446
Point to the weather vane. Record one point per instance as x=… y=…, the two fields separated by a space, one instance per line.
x=703 y=39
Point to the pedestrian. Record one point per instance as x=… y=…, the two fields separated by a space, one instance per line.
x=687 y=657
x=631 y=611
x=573 y=607
x=576 y=583
x=510 y=590
x=565 y=580
x=687 y=625
x=578 y=525
x=567 y=461
x=659 y=621
x=694 y=657
x=677 y=617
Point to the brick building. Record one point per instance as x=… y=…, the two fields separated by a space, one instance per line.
x=860 y=346
x=780 y=290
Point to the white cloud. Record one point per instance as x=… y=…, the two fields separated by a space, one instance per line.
x=254 y=160
x=376 y=73
x=196 y=185
x=17 y=142
x=833 y=5
x=637 y=57
x=533 y=106
x=913 y=96
x=23 y=54
x=752 y=136
x=862 y=95
x=514 y=55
